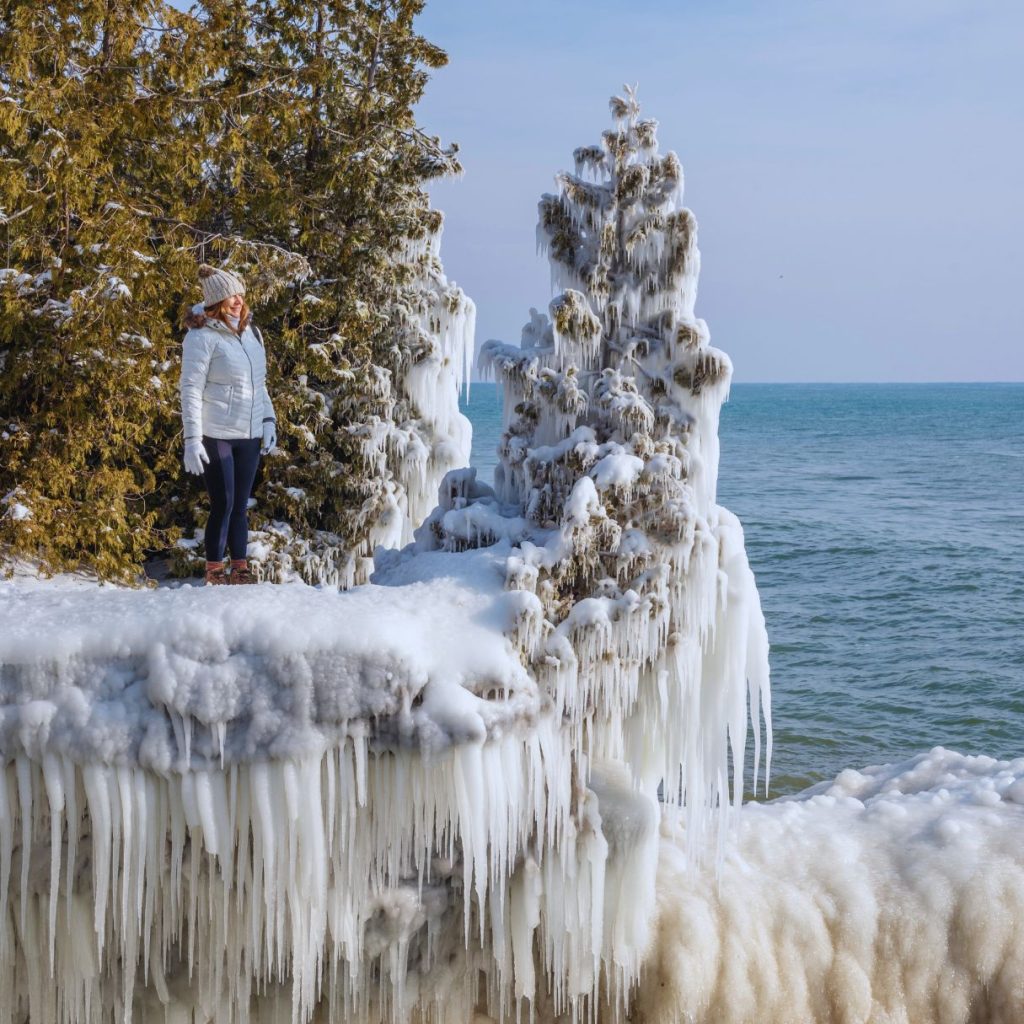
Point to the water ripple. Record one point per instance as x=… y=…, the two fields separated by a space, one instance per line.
x=883 y=525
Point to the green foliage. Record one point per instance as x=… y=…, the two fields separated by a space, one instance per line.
x=275 y=137
x=84 y=322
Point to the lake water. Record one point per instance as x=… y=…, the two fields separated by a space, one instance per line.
x=885 y=526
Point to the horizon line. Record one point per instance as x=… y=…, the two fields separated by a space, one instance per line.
x=904 y=383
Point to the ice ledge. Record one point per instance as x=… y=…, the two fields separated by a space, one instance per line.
x=185 y=677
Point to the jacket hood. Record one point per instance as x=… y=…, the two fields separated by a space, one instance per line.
x=197 y=317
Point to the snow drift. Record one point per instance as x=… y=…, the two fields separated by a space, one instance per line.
x=891 y=896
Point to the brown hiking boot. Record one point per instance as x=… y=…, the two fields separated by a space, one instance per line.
x=215 y=574
x=241 y=573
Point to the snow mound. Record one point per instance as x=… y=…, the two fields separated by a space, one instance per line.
x=893 y=895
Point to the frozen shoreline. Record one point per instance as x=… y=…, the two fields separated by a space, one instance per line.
x=892 y=893
x=435 y=796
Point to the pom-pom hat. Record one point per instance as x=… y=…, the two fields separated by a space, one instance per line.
x=219 y=284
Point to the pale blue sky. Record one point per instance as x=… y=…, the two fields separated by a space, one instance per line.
x=856 y=167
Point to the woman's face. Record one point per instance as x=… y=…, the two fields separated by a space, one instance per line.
x=233 y=305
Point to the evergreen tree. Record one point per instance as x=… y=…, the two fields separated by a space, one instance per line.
x=274 y=137
x=84 y=322
x=621 y=356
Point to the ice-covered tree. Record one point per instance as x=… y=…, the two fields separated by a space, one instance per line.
x=622 y=351
x=610 y=451
x=635 y=608
x=314 y=149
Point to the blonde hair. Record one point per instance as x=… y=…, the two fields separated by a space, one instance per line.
x=219 y=311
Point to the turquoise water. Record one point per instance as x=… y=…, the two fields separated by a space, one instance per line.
x=884 y=523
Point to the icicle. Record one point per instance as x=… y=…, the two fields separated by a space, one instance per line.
x=23 y=769
x=98 y=798
x=6 y=851
x=53 y=780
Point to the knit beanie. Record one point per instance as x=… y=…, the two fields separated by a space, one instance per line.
x=219 y=284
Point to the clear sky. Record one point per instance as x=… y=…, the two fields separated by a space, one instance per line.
x=856 y=167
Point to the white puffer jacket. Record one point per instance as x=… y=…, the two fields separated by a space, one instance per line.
x=223 y=381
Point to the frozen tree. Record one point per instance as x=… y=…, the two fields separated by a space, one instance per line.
x=611 y=452
x=315 y=149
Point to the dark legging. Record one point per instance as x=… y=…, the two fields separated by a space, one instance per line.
x=229 y=476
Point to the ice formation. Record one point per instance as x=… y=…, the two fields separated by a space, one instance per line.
x=487 y=782
x=893 y=895
x=439 y=324
x=272 y=797
x=436 y=794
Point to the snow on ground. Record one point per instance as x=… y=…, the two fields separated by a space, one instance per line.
x=893 y=895
x=174 y=677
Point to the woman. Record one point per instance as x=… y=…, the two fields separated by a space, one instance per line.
x=228 y=418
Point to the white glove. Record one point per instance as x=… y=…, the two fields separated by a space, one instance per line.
x=195 y=455
x=269 y=437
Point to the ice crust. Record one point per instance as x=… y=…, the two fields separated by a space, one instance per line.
x=248 y=786
x=174 y=679
x=892 y=895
